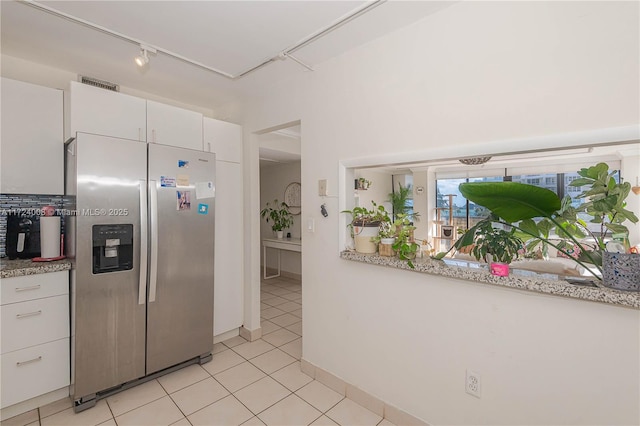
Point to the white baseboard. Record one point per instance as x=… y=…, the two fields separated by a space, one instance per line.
x=226 y=335
x=251 y=335
x=390 y=412
x=285 y=274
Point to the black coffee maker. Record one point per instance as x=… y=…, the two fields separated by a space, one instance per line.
x=23 y=236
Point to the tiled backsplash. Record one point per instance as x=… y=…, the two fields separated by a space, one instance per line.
x=12 y=202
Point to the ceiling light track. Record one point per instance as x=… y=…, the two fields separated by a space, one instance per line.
x=317 y=35
x=146 y=47
x=124 y=37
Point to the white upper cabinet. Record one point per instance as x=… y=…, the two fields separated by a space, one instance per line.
x=225 y=139
x=32 y=150
x=169 y=125
x=103 y=112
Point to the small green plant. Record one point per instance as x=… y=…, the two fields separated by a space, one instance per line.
x=362 y=183
x=503 y=246
x=406 y=248
x=361 y=216
x=279 y=215
x=385 y=230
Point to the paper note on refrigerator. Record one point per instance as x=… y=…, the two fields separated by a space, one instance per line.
x=183 y=180
x=205 y=190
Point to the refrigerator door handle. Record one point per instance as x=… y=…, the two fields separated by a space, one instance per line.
x=142 y=283
x=153 y=270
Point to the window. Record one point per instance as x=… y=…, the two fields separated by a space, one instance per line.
x=465 y=214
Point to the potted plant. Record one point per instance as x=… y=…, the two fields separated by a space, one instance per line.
x=535 y=212
x=494 y=245
x=362 y=184
x=404 y=245
x=279 y=215
x=364 y=226
x=385 y=239
x=399 y=200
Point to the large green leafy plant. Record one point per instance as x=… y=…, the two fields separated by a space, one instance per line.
x=605 y=201
x=537 y=213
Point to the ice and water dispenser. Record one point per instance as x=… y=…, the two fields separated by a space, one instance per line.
x=112 y=248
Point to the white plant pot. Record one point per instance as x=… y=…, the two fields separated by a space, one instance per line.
x=387 y=240
x=362 y=238
x=280 y=234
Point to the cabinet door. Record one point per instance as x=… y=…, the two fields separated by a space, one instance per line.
x=228 y=289
x=169 y=125
x=34 y=322
x=225 y=139
x=103 y=112
x=34 y=371
x=32 y=147
x=30 y=287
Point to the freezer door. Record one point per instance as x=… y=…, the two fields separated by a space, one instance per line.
x=108 y=305
x=181 y=219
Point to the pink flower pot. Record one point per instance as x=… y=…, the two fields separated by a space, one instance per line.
x=499 y=269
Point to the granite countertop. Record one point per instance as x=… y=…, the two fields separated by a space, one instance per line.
x=519 y=279
x=21 y=267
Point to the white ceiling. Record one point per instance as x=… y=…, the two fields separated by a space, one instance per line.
x=231 y=36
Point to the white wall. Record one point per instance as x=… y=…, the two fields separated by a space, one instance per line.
x=273 y=182
x=469 y=75
x=378 y=191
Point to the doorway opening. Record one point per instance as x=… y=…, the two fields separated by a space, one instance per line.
x=281 y=255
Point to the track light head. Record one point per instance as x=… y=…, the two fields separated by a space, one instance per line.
x=142 y=59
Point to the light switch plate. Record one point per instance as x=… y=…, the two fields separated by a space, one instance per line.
x=322 y=188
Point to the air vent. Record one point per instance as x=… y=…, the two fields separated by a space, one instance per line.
x=99 y=83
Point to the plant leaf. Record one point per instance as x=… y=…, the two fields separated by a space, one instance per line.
x=512 y=201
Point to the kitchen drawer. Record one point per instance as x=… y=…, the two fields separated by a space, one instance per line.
x=34 y=371
x=29 y=287
x=34 y=322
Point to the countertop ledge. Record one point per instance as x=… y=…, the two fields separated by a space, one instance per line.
x=521 y=280
x=22 y=267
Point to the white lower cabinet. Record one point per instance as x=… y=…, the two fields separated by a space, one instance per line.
x=34 y=371
x=35 y=321
x=34 y=357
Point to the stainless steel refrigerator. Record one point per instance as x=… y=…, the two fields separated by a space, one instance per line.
x=141 y=243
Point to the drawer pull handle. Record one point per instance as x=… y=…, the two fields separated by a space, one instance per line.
x=30 y=314
x=33 y=287
x=29 y=361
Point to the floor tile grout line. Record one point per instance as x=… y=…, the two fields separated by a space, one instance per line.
x=135 y=408
x=178 y=390
x=269 y=374
x=110 y=410
x=278 y=401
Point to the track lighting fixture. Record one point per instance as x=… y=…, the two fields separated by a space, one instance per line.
x=143 y=59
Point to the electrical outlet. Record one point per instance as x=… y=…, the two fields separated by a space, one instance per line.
x=473 y=384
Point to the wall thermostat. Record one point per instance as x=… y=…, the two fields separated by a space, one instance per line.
x=420 y=190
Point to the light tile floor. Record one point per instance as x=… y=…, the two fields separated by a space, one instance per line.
x=246 y=383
